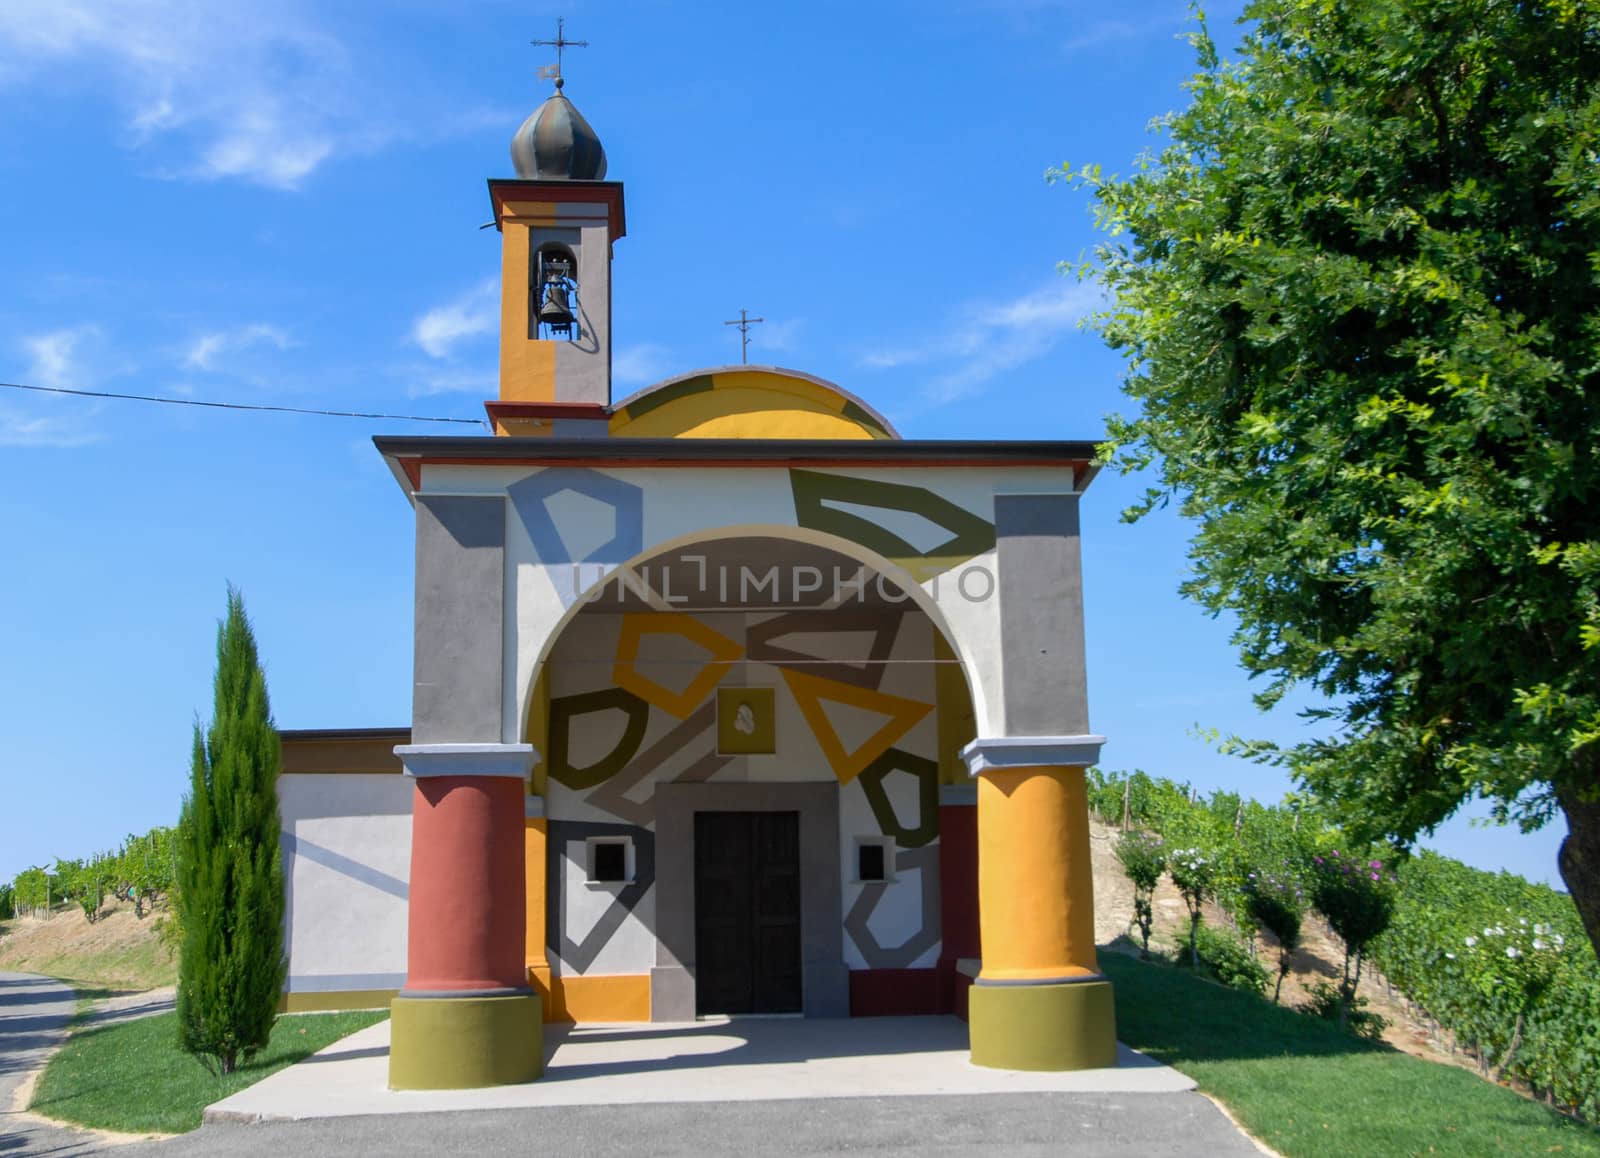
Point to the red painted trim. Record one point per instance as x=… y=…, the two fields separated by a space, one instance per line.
x=500 y=408
x=413 y=469
x=895 y=992
x=466 y=914
x=563 y=192
x=958 y=897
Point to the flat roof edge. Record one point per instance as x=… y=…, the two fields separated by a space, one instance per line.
x=753 y=450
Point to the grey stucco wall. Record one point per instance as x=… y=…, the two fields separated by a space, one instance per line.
x=460 y=615
x=1040 y=586
x=583 y=366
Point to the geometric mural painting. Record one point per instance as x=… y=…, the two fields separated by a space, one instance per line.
x=926 y=863
x=833 y=663
x=531 y=498
x=927 y=776
x=563 y=837
x=867 y=673
x=969 y=535
x=565 y=709
x=722 y=650
x=612 y=796
x=901 y=714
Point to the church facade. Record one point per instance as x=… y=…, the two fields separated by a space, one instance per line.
x=728 y=701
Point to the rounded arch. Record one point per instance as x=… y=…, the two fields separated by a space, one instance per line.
x=960 y=649
x=747 y=402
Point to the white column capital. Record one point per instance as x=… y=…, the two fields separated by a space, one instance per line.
x=996 y=753
x=511 y=760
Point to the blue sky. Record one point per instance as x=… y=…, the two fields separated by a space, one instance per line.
x=280 y=204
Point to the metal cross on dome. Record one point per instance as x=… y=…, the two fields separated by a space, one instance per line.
x=553 y=72
x=744 y=321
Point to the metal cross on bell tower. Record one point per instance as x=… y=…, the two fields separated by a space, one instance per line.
x=553 y=72
x=744 y=321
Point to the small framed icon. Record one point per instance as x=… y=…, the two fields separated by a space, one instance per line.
x=747 y=723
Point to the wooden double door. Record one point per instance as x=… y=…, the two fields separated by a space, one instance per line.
x=747 y=912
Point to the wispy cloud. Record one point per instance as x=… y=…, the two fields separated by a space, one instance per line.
x=473 y=314
x=21 y=428
x=423 y=381
x=203 y=353
x=57 y=358
x=639 y=365
x=778 y=336
x=1103 y=32
x=256 y=92
x=262 y=93
x=984 y=342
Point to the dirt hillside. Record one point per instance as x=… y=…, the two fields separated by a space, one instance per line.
x=119 y=951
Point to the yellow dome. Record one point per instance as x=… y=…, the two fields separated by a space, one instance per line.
x=747 y=402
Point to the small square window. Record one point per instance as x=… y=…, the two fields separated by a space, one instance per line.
x=608 y=862
x=872 y=861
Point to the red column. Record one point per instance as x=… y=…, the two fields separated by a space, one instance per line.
x=466 y=927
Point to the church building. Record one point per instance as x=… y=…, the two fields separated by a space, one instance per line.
x=728 y=700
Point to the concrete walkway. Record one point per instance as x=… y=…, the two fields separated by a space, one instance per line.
x=34 y=1014
x=888 y=1088
x=719 y=1060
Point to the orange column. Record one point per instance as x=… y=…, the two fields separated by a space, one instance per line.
x=1039 y=1001
x=1035 y=882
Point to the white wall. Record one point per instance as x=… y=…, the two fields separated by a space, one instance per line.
x=347 y=864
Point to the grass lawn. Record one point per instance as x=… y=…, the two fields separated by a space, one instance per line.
x=133 y=1077
x=1309 y=1091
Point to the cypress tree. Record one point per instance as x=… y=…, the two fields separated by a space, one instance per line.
x=230 y=897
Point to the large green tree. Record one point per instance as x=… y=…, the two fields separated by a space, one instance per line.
x=230 y=879
x=1357 y=284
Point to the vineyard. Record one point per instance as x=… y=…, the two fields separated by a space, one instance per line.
x=141 y=872
x=1496 y=966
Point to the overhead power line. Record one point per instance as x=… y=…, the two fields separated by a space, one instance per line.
x=239 y=405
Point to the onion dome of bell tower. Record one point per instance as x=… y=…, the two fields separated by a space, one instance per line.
x=556 y=143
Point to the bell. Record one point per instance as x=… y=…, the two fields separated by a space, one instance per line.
x=556 y=310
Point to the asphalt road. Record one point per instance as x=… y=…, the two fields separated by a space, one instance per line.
x=34 y=1014
x=1025 y=1125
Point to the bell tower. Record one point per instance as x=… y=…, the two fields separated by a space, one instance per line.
x=557 y=220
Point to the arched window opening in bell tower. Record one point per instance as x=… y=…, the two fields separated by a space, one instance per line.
x=555 y=291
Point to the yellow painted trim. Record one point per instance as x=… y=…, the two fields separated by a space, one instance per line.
x=604 y=997
x=336 y=1002
x=1035 y=883
x=527 y=365
x=625 y=673
x=1043 y=1027
x=809 y=691
x=464 y=1043
x=534 y=835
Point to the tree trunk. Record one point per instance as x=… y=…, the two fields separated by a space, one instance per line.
x=1510 y=1052
x=1580 y=852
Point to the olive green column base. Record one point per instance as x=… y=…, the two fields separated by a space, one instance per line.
x=1070 y=1026
x=462 y=1043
